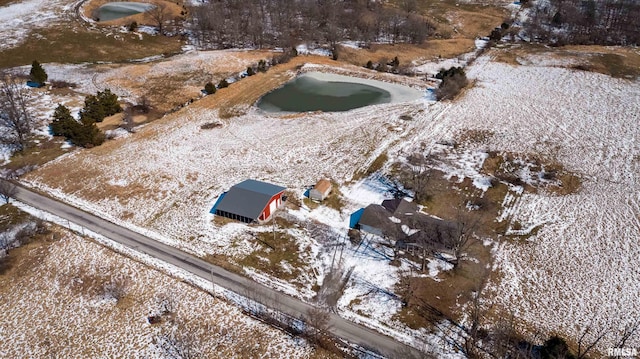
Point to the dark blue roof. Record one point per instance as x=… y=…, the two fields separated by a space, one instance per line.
x=260 y=187
x=248 y=198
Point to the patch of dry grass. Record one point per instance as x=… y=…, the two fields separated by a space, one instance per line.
x=10 y=216
x=278 y=257
x=37 y=154
x=427 y=297
x=615 y=61
x=406 y=53
x=458 y=19
x=76 y=44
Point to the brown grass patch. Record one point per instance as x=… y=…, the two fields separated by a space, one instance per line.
x=76 y=44
x=407 y=53
x=37 y=154
x=619 y=62
x=375 y=166
x=279 y=256
x=455 y=19
x=454 y=289
x=11 y=216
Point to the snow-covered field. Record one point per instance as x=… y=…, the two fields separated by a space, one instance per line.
x=578 y=268
x=62 y=304
x=18 y=19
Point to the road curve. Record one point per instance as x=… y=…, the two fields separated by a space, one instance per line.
x=271 y=298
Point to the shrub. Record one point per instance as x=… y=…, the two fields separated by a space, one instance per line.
x=210 y=88
x=369 y=65
x=453 y=81
x=262 y=65
x=496 y=34
x=63 y=123
x=59 y=84
x=250 y=71
x=224 y=83
x=210 y=125
x=133 y=26
x=97 y=107
x=92 y=111
x=555 y=347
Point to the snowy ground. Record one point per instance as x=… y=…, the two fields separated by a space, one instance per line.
x=182 y=169
x=579 y=268
x=63 y=307
x=584 y=120
x=18 y=19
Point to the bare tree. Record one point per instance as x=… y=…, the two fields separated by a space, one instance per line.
x=127 y=120
x=417 y=175
x=16 y=122
x=629 y=330
x=179 y=342
x=585 y=345
x=409 y=6
x=7 y=190
x=160 y=14
x=117 y=287
x=317 y=323
x=466 y=224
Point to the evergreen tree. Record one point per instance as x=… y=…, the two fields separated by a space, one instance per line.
x=63 y=123
x=262 y=66
x=109 y=103
x=93 y=110
x=84 y=133
x=88 y=135
x=37 y=73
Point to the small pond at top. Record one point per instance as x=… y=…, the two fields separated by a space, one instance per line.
x=116 y=10
x=322 y=92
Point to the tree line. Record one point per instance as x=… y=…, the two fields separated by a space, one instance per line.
x=585 y=22
x=284 y=23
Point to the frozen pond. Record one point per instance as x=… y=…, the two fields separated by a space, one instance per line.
x=316 y=91
x=116 y=10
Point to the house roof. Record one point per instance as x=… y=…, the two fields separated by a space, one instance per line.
x=323 y=186
x=436 y=231
x=400 y=207
x=248 y=198
x=376 y=216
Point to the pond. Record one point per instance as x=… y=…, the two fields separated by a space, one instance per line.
x=314 y=91
x=116 y=10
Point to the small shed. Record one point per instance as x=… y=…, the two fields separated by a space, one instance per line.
x=320 y=191
x=250 y=201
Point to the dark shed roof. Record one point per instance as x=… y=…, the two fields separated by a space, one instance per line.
x=248 y=198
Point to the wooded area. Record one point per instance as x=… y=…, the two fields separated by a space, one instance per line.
x=285 y=23
x=586 y=22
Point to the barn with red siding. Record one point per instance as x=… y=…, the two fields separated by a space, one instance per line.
x=249 y=201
